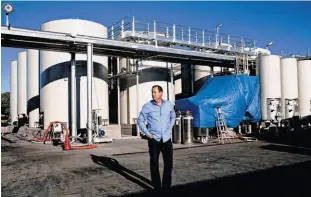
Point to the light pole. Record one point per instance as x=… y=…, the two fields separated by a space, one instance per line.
x=217 y=36
x=8 y=9
x=269 y=44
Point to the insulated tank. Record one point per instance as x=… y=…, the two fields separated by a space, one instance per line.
x=21 y=83
x=216 y=70
x=178 y=85
x=33 y=98
x=289 y=84
x=270 y=84
x=200 y=76
x=304 y=87
x=13 y=91
x=55 y=85
x=152 y=73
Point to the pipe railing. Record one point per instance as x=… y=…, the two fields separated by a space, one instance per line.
x=178 y=34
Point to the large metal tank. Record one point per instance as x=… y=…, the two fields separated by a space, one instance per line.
x=55 y=96
x=152 y=73
x=178 y=85
x=187 y=128
x=177 y=129
x=289 y=86
x=13 y=92
x=200 y=76
x=270 y=84
x=33 y=98
x=21 y=83
x=304 y=87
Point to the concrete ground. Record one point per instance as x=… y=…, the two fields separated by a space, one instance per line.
x=121 y=168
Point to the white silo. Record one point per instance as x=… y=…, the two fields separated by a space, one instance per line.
x=289 y=84
x=178 y=85
x=33 y=99
x=152 y=73
x=22 y=83
x=200 y=75
x=55 y=96
x=304 y=87
x=270 y=84
x=13 y=92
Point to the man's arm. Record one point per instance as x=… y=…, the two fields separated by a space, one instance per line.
x=172 y=118
x=141 y=121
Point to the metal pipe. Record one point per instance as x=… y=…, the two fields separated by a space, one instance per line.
x=89 y=92
x=247 y=66
x=154 y=30
x=7 y=20
x=249 y=129
x=167 y=85
x=112 y=32
x=122 y=29
x=244 y=65
x=174 y=33
x=172 y=82
x=73 y=95
x=133 y=26
x=189 y=35
x=237 y=65
x=203 y=39
x=118 y=81
x=137 y=96
x=192 y=80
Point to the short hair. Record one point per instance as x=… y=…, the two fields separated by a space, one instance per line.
x=159 y=88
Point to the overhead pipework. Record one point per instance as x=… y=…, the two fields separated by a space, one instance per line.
x=180 y=37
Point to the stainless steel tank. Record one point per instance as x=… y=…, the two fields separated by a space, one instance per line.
x=201 y=134
x=177 y=129
x=187 y=128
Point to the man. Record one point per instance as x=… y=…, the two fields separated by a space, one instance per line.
x=160 y=117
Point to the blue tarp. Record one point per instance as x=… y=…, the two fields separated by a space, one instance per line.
x=237 y=95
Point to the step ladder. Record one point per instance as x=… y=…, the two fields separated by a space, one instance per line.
x=222 y=129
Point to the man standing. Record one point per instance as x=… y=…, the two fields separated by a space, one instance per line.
x=160 y=117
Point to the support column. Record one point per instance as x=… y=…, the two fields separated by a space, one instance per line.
x=137 y=96
x=89 y=92
x=118 y=94
x=172 y=84
x=73 y=96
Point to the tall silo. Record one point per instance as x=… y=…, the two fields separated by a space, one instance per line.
x=304 y=87
x=13 y=92
x=33 y=98
x=201 y=74
x=178 y=85
x=152 y=73
x=289 y=84
x=55 y=72
x=22 y=83
x=270 y=84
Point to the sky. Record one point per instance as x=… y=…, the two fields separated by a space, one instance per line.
x=287 y=24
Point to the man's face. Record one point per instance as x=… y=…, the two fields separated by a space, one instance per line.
x=156 y=94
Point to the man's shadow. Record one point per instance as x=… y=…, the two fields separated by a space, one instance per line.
x=114 y=165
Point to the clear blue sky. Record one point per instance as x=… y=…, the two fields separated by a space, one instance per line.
x=286 y=23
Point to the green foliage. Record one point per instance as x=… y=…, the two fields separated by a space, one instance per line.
x=5 y=103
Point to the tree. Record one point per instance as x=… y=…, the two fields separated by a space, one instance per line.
x=5 y=103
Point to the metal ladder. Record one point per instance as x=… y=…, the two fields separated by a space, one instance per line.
x=222 y=129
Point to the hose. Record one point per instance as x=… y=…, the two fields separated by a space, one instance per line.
x=66 y=145
x=46 y=134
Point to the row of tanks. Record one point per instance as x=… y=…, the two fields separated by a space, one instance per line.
x=285 y=87
x=41 y=82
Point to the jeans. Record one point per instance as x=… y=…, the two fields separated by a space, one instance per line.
x=166 y=148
